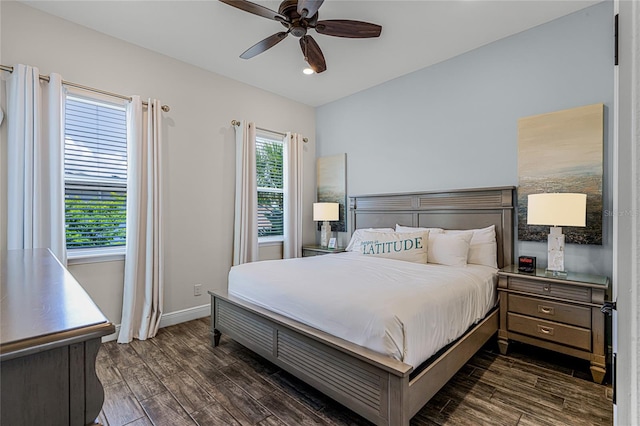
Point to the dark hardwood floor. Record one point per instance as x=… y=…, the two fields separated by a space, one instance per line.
x=177 y=378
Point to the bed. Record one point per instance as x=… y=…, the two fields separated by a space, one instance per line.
x=385 y=384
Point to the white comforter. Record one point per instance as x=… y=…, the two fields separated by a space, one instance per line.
x=401 y=309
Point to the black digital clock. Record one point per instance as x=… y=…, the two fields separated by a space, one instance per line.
x=526 y=264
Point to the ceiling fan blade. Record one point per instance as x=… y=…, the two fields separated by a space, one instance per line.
x=312 y=54
x=348 y=29
x=308 y=8
x=256 y=9
x=263 y=45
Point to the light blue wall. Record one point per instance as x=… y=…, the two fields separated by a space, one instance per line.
x=454 y=125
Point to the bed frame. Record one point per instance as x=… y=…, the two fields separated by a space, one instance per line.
x=379 y=388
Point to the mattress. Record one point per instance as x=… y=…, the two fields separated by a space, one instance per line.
x=404 y=310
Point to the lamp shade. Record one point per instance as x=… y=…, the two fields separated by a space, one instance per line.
x=325 y=211
x=557 y=209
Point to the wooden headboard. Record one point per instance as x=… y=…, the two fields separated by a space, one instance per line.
x=452 y=209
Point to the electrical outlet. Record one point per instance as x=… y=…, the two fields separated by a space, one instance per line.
x=197 y=290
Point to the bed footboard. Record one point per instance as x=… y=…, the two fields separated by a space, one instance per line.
x=377 y=392
x=376 y=387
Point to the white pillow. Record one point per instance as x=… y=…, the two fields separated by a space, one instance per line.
x=401 y=228
x=356 y=238
x=409 y=246
x=483 y=248
x=449 y=249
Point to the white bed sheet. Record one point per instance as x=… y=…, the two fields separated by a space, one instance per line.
x=405 y=310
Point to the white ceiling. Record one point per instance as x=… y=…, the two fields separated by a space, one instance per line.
x=212 y=35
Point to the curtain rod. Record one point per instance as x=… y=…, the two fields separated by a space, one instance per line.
x=237 y=123
x=165 y=108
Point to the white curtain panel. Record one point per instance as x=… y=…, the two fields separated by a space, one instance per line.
x=35 y=166
x=143 y=269
x=245 y=235
x=293 y=156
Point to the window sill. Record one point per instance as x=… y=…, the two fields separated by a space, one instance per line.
x=270 y=241
x=80 y=256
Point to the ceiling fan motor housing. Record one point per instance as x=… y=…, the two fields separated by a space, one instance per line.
x=297 y=26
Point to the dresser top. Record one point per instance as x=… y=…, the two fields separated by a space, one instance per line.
x=41 y=303
x=571 y=277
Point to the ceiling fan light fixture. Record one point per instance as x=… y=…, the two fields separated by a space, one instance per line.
x=308 y=71
x=298 y=16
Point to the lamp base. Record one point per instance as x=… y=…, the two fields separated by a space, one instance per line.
x=325 y=234
x=555 y=274
x=555 y=251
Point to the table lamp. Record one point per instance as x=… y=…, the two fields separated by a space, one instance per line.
x=556 y=210
x=325 y=212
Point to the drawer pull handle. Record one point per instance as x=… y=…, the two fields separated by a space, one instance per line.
x=545 y=330
x=546 y=310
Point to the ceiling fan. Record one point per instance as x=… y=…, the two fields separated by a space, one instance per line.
x=298 y=16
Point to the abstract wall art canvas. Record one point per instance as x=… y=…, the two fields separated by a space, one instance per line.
x=562 y=152
x=332 y=186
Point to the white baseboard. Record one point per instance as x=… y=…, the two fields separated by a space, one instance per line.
x=113 y=336
x=189 y=314
x=172 y=318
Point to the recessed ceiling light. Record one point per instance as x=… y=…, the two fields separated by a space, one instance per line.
x=307 y=71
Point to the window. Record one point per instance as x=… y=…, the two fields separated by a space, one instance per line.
x=269 y=174
x=95 y=173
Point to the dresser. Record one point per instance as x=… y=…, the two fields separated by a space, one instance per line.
x=50 y=334
x=308 y=251
x=559 y=314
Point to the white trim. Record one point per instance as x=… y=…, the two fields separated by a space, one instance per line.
x=113 y=336
x=626 y=246
x=275 y=240
x=184 y=315
x=270 y=135
x=172 y=318
x=95 y=255
x=97 y=98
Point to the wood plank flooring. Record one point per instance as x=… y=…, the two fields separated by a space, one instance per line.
x=178 y=379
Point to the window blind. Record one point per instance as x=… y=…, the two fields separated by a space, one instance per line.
x=95 y=161
x=269 y=175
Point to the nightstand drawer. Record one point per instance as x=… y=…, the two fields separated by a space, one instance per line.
x=553 y=311
x=551 y=289
x=553 y=331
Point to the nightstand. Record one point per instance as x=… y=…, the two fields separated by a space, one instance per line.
x=308 y=251
x=559 y=314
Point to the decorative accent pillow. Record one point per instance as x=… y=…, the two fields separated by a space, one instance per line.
x=449 y=249
x=401 y=228
x=356 y=238
x=483 y=248
x=409 y=246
